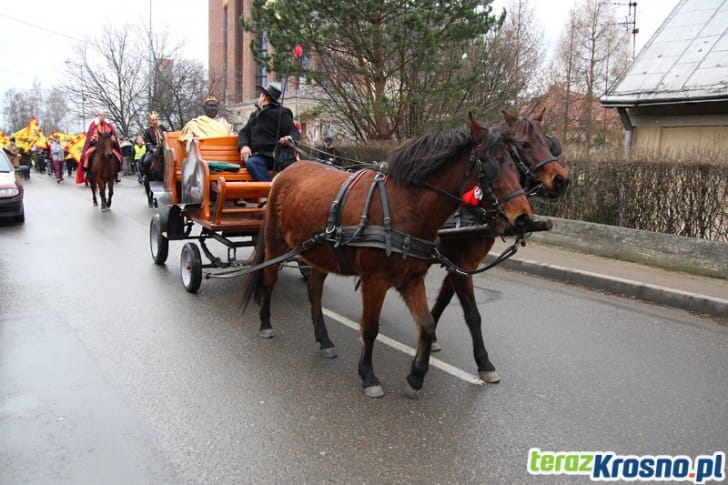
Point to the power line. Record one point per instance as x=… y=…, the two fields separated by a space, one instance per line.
x=39 y=27
x=18 y=73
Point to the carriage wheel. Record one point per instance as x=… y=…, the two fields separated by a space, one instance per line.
x=158 y=244
x=191 y=267
x=304 y=268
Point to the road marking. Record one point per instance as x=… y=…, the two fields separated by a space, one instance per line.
x=406 y=349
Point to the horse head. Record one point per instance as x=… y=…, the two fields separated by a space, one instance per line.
x=497 y=176
x=105 y=145
x=536 y=156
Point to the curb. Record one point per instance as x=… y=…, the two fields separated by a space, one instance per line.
x=699 y=257
x=693 y=302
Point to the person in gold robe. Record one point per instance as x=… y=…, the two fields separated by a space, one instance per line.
x=209 y=125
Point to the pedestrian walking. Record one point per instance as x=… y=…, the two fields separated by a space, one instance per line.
x=57 y=158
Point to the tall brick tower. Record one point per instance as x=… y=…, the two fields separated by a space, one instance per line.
x=233 y=73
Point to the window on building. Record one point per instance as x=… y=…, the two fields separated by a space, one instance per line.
x=261 y=74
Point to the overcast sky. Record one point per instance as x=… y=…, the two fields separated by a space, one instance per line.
x=38 y=36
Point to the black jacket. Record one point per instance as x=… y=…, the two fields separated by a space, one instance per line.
x=151 y=139
x=259 y=133
x=329 y=155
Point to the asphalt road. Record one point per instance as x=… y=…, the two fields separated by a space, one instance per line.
x=110 y=372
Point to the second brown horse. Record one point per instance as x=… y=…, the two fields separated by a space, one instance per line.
x=541 y=174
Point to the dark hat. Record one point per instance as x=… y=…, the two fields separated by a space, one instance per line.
x=328 y=140
x=273 y=91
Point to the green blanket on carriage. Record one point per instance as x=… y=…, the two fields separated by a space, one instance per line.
x=223 y=167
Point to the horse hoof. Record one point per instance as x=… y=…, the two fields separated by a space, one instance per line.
x=329 y=353
x=266 y=333
x=490 y=376
x=374 y=391
x=410 y=391
x=435 y=346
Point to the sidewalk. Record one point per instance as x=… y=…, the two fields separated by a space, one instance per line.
x=681 y=290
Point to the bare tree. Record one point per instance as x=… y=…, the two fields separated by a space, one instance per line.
x=565 y=67
x=108 y=74
x=19 y=106
x=179 y=91
x=592 y=53
x=178 y=85
x=55 y=112
x=521 y=47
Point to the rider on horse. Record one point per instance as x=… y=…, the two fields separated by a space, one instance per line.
x=152 y=139
x=97 y=126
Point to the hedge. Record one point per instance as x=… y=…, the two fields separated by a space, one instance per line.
x=681 y=193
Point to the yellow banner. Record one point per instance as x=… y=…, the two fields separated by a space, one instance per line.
x=64 y=138
x=75 y=145
x=31 y=135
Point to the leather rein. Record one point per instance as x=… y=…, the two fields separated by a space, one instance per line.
x=385 y=237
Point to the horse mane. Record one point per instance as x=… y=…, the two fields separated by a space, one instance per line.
x=417 y=158
x=498 y=135
x=104 y=135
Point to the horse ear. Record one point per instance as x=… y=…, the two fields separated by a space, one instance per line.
x=509 y=117
x=477 y=130
x=539 y=117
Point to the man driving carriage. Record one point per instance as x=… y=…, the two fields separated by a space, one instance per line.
x=269 y=125
x=98 y=126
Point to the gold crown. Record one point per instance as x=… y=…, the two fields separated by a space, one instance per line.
x=210 y=98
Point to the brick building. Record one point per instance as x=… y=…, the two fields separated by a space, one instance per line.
x=234 y=74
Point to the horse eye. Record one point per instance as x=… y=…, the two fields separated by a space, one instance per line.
x=525 y=145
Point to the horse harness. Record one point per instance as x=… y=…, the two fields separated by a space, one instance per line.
x=387 y=238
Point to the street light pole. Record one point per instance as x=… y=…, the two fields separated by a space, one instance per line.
x=69 y=65
x=83 y=100
x=151 y=67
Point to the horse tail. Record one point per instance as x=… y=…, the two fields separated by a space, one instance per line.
x=253 y=281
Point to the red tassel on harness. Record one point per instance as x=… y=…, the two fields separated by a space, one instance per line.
x=473 y=196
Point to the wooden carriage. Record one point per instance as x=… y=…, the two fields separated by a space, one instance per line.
x=206 y=194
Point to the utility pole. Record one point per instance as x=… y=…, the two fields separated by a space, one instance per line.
x=69 y=65
x=630 y=23
x=151 y=66
x=224 y=52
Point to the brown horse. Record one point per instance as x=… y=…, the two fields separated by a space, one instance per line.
x=103 y=171
x=153 y=171
x=536 y=156
x=425 y=181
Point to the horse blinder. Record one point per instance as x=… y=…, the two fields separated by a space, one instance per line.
x=490 y=170
x=554 y=146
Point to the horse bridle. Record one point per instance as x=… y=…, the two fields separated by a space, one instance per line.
x=528 y=171
x=488 y=171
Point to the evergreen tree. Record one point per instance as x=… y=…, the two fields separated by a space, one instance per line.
x=384 y=64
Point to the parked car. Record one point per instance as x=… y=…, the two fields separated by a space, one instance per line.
x=11 y=190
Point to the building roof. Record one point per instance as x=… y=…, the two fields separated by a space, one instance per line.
x=686 y=60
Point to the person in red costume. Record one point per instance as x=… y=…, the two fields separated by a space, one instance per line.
x=98 y=125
